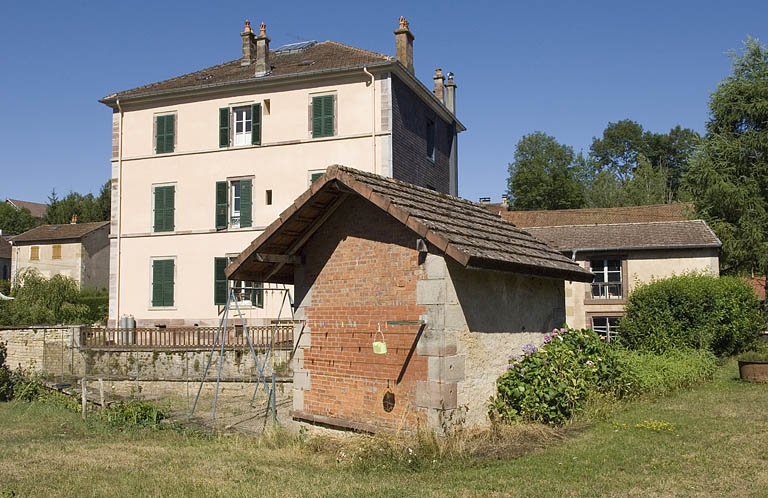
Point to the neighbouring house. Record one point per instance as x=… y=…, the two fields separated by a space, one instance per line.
x=36 y=209
x=76 y=250
x=5 y=257
x=202 y=163
x=622 y=247
x=451 y=289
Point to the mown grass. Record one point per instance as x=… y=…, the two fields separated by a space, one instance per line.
x=707 y=441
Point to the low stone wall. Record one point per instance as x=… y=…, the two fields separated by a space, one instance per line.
x=56 y=353
x=43 y=349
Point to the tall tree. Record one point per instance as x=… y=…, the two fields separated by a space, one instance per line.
x=543 y=175
x=618 y=149
x=15 y=221
x=87 y=207
x=728 y=178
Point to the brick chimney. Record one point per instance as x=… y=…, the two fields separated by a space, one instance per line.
x=262 y=52
x=74 y=220
x=450 y=94
x=439 y=90
x=404 y=45
x=249 y=45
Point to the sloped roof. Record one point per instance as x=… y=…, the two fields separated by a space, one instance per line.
x=71 y=231
x=624 y=236
x=590 y=216
x=463 y=230
x=315 y=58
x=36 y=209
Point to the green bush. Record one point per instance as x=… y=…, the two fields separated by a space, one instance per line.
x=720 y=314
x=41 y=301
x=552 y=383
x=657 y=374
x=134 y=412
x=6 y=380
x=97 y=302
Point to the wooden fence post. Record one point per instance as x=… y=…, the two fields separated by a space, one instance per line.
x=83 y=396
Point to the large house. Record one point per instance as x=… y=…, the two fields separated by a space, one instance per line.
x=622 y=247
x=76 y=250
x=203 y=162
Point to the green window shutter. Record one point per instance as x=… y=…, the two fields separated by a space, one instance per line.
x=164 y=208
x=256 y=124
x=165 y=132
x=219 y=281
x=246 y=203
x=322 y=116
x=162 y=282
x=315 y=176
x=221 y=205
x=224 y=127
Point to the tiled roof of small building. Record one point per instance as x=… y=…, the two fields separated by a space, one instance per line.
x=463 y=230
x=624 y=236
x=70 y=231
x=316 y=58
x=591 y=216
x=36 y=209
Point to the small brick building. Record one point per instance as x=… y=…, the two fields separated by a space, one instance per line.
x=452 y=290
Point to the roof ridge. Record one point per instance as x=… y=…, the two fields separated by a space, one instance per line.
x=657 y=222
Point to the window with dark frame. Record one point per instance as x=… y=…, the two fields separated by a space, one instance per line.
x=606 y=326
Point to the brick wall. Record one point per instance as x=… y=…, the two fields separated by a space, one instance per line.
x=361 y=272
x=409 y=146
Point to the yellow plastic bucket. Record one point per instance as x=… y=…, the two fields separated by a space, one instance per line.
x=379 y=347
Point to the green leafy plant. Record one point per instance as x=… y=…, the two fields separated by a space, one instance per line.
x=552 y=383
x=720 y=314
x=134 y=413
x=42 y=301
x=6 y=380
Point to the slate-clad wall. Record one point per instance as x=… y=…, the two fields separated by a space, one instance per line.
x=409 y=142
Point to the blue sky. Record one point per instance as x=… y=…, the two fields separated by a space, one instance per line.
x=564 y=68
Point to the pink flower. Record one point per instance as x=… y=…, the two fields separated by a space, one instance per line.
x=590 y=362
x=547 y=338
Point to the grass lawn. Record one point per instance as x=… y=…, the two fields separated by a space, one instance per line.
x=711 y=441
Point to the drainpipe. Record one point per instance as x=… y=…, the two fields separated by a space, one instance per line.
x=373 y=116
x=119 y=211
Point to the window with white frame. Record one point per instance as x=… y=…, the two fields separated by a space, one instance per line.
x=240 y=125
x=606 y=326
x=608 y=281
x=234 y=203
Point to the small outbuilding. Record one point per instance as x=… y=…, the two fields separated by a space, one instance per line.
x=412 y=301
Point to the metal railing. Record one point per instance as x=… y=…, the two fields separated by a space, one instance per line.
x=185 y=338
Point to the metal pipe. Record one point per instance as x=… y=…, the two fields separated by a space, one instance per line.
x=119 y=209
x=373 y=115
